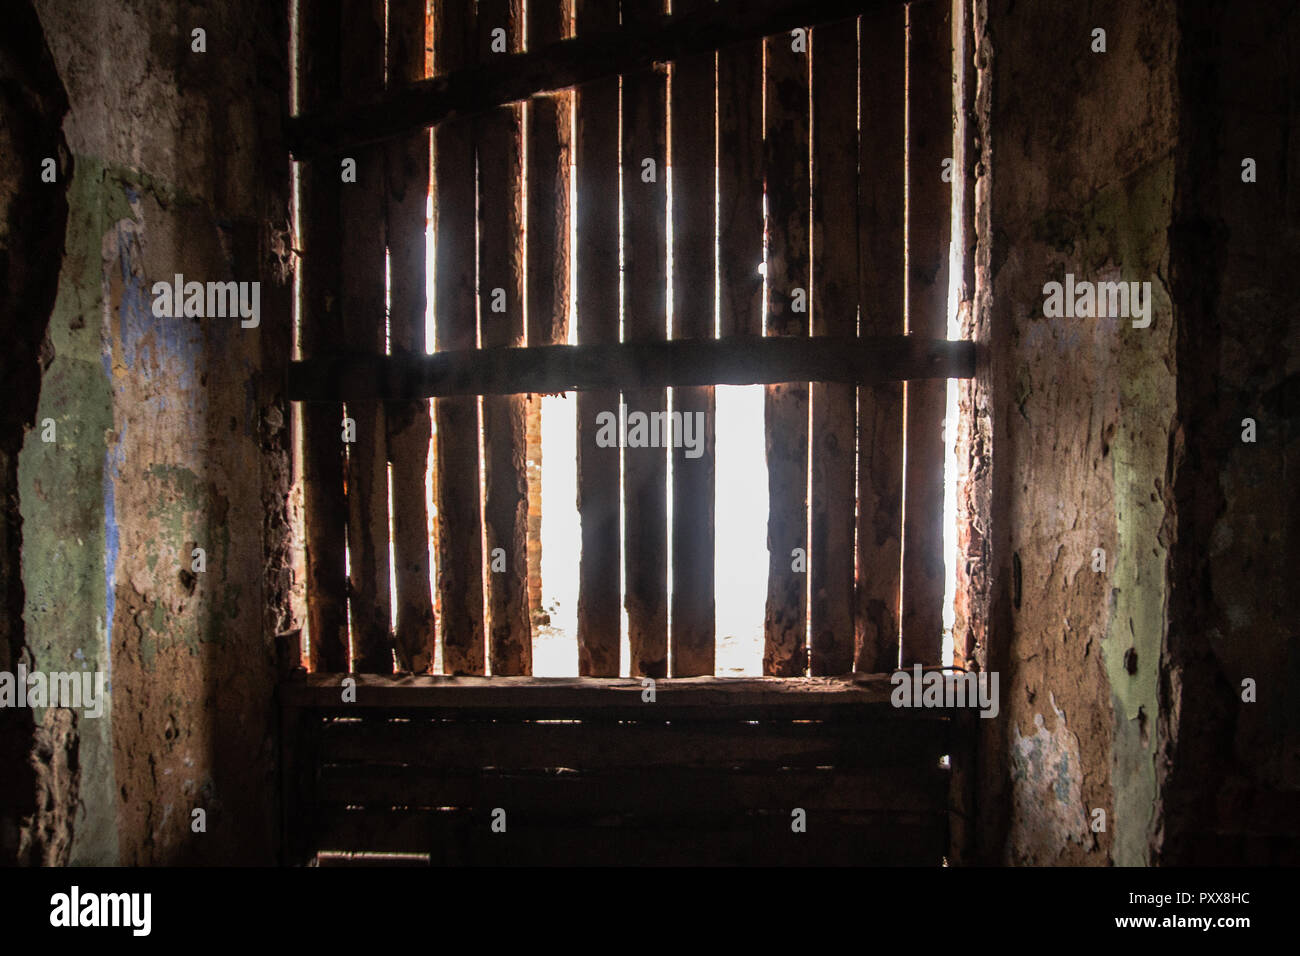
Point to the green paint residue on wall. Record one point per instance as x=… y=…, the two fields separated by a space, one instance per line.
x=1127 y=225
x=62 y=493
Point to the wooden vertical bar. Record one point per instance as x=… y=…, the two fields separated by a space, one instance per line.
x=460 y=558
x=409 y=424
x=929 y=143
x=501 y=293
x=786 y=156
x=596 y=106
x=549 y=156
x=325 y=511
x=693 y=185
x=740 y=189
x=362 y=270
x=881 y=152
x=834 y=312
x=645 y=318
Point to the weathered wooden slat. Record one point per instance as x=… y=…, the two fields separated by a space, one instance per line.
x=596 y=106
x=550 y=121
x=362 y=267
x=324 y=507
x=873 y=739
x=834 y=307
x=458 y=838
x=786 y=158
x=661 y=791
x=930 y=110
x=740 y=190
x=693 y=187
x=501 y=317
x=881 y=152
x=537 y=698
x=603 y=367
x=456 y=480
x=549 y=155
x=603 y=52
x=409 y=424
x=645 y=319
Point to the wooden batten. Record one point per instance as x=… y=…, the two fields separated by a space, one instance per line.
x=607 y=745
x=929 y=144
x=645 y=319
x=682 y=363
x=362 y=270
x=325 y=511
x=834 y=306
x=596 y=105
x=692 y=614
x=786 y=158
x=880 y=293
x=501 y=287
x=603 y=52
x=456 y=455
x=409 y=425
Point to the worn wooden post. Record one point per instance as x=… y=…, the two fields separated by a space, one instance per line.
x=880 y=284
x=834 y=312
x=325 y=511
x=460 y=558
x=693 y=181
x=645 y=318
x=501 y=318
x=362 y=271
x=596 y=105
x=409 y=426
x=929 y=144
x=786 y=406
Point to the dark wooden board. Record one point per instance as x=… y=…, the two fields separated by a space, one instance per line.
x=602 y=367
x=602 y=52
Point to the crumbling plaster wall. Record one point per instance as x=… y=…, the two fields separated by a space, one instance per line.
x=1076 y=414
x=171 y=432
x=1123 y=689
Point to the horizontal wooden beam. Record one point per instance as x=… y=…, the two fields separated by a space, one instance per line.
x=610 y=698
x=507 y=78
x=465 y=837
x=661 y=791
x=552 y=369
x=872 y=741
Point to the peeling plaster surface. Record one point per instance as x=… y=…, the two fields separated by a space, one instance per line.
x=1047 y=769
x=163 y=440
x=1076 y=415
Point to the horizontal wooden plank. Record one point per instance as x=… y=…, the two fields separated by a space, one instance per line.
x=460 y=838
x=613 y=698
x=508 y=78
x=658 y=792
x=552 y=369
x=604 y=745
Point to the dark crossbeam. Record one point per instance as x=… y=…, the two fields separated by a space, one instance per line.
x=680 y=362
x=512 y=77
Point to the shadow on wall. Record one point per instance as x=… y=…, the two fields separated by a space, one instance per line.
x=33 y=217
